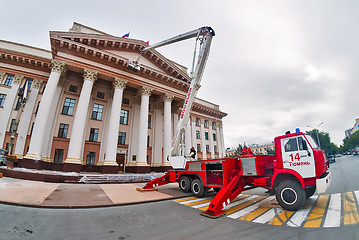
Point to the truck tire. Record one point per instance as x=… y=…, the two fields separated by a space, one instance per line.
x=310 y=191
x=290 y=195
x=185 y=184
x=198 y=189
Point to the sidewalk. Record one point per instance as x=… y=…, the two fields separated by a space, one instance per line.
x=65 y=195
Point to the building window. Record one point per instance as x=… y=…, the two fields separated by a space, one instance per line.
x=149 y=121
x=37 y=108
x=97 y=112
x=214 y=137
x=121 y=138
x=32 y=128
x=206 y=135
x=63 y=130
x=29 y=84
x=124 y=117
x=18 y=104
x=12 y=125
x=2 y=99
x=90 y=159
x=199 y=148
x=73 y=88
x=198 y=135
x=43 y=90
x=8 y=80
x=206 y=123
x=197 y=122
x=215 y=149
x=148 y=141
x=59 y=155
x=101 y=95
x=126 y=101
x=69 y=106
x=207 y=148
x=213 y=125
x=93 y=135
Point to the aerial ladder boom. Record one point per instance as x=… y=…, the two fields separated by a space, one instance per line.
x=204 y=38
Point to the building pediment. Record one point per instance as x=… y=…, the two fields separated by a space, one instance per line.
x=117 y=51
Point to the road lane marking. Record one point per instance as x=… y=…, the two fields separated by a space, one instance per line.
x=334 y=211
x=350 y=210
x=316 y=216
x=185 y=199
x=281 y=218
x=242 y=198
x=249 y=209
x=268 y=216
x=299 y=217
x=325 y=211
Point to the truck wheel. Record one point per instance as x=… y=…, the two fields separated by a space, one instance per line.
x=185 y=184
x=198 y=189
x=310 y=191
x=290 y=195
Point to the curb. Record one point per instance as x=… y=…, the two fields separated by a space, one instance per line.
x=84 y=207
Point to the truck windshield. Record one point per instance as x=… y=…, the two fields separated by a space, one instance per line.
x=312 y=142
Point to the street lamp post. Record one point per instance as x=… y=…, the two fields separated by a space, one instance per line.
x=317 y=130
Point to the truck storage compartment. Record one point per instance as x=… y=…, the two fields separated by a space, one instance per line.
x=256 y=165
x=214 y=173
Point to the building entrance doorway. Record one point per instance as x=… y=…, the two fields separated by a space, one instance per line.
x=120 y=160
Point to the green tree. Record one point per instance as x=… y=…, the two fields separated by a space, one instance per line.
x=324 y=141
x=350 y=142
x=239 y=150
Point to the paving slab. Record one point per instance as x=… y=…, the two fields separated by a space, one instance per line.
x=127 y=193
x=77 y=195
x=24 y=191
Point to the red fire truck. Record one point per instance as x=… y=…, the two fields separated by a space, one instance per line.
x=293 y=174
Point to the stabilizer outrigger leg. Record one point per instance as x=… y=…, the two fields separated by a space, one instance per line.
x=224 y=197
x=155 y=183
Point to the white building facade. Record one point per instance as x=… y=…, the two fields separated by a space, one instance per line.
x=86 y=112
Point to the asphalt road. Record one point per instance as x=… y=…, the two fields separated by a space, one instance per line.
x=165 y=220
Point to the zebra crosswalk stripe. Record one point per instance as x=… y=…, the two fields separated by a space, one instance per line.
x=327 y=211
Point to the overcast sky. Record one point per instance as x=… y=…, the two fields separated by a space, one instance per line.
x=274 y=65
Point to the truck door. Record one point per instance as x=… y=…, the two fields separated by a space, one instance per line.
x=298 y=156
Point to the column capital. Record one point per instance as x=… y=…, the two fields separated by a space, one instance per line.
x=120 y=83
x=58 y=66
x=2 y=75
x=18 y=79
x=145 y=91
x=37 y=83
x=167 y=97
x=90 y=74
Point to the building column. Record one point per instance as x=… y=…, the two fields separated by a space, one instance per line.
x=204 y=151
x=157 y=151
x=221 y=150
x=211 y=144
x=110 y=165
x=38 y=134
x=75 y=152
x=194 y=137
x=24 y=123
x=141 y=159
x=167 y=129
x=8 y=106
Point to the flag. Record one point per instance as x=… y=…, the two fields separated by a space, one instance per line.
x=126 y=35
x=148 y=42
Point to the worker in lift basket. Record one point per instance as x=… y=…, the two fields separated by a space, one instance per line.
x=192 y=153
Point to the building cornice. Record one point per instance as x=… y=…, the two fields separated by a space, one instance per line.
x=96 y=45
